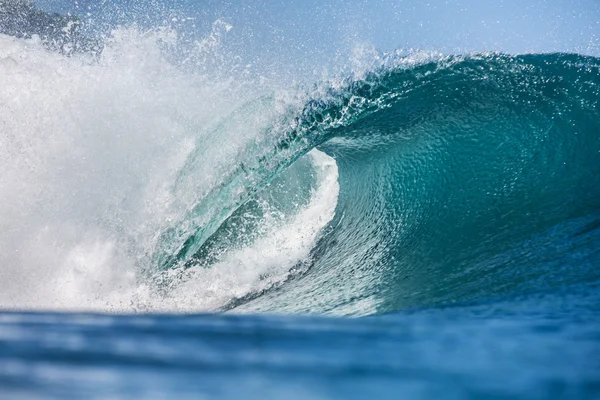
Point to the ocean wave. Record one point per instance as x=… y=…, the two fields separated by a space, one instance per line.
x=144 y=186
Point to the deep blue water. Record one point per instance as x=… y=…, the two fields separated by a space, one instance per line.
x=542 y=346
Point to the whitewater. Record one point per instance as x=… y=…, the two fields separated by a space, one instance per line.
x=95 y=172
x=175 y=218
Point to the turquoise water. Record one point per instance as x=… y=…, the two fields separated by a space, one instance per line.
x=426 y=227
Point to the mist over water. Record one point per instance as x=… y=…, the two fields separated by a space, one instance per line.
x=94 y=147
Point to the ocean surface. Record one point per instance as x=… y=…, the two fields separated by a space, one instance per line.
x=176 y=224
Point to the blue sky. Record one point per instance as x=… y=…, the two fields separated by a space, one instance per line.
x=310 y=32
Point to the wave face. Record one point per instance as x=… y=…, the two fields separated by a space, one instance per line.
x=462 y=179
x=424 y=181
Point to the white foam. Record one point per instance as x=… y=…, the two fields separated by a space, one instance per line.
x=90 y=153
x=266 y=262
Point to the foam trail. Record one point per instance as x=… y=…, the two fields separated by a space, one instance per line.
x=267 y=262
x=253 y=268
